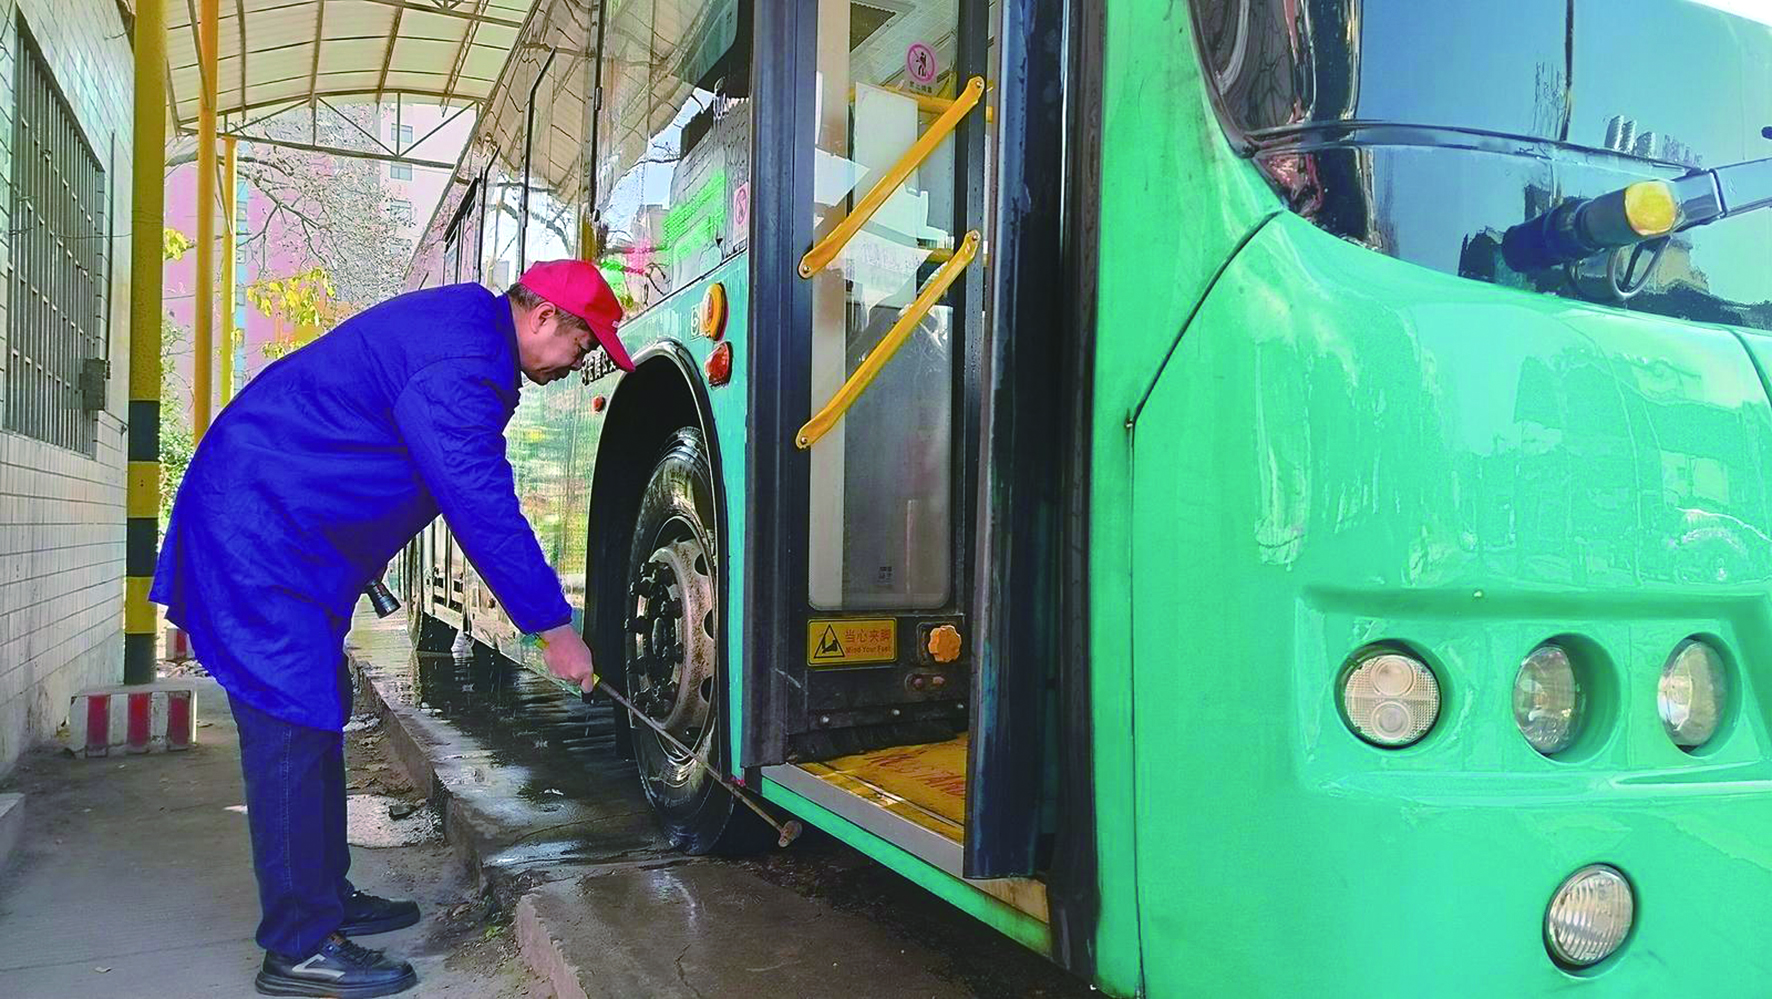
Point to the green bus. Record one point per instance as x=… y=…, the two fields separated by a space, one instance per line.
x=1260 y=497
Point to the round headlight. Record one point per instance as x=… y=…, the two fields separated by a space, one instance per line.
x=1390 y=699
x=1693 y=694
x=1589 y=916
x=1547 y=700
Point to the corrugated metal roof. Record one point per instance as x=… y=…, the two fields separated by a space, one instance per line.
x=277 y=52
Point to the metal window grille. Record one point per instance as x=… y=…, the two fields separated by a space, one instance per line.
x=56 y=314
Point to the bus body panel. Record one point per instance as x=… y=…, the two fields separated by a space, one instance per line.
x=555 y=436
x=1174 y=204
x=1346 y=450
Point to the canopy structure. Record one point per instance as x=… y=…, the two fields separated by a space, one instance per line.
x=275 y=55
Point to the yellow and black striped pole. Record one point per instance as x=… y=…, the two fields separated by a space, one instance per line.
x=147 y=225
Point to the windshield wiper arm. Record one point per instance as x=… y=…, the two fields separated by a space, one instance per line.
x=1636 y=213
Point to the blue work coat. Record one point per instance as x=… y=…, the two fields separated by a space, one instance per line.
x=324 y=466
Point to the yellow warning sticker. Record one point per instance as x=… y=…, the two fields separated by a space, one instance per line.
x=850 y=641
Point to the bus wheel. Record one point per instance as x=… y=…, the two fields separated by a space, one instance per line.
x=671 y=649
x=427 y=633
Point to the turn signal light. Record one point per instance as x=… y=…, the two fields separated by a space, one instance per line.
x=1390 y=699
x=718 y=366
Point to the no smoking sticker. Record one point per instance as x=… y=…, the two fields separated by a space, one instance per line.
x=741 y=207
x=919 y=62
x=851 y=642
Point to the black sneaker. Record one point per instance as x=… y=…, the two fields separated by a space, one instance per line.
x=367 y=915
x=339 y=968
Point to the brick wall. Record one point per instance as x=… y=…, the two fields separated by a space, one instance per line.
x=62 y=513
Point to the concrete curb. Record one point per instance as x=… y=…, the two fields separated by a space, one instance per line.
x=416 y=754
x=12 y=825
x=602 y=908
x=505 y=841
x=545 y=954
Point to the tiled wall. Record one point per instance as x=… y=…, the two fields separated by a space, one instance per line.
x=61 y=513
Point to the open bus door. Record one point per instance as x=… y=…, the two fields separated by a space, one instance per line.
x=863 y=656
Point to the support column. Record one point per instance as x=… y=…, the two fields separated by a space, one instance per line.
x=147 y=223
x=201 y=386
x=225 y=374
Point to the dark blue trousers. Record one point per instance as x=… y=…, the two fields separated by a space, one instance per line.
x=295 y=807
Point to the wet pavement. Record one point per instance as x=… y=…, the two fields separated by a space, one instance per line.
x=133 y=877
x=535 y=799
x=527 y=776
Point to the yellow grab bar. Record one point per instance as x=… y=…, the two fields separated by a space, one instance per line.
x=870 y=366
x=820 y=256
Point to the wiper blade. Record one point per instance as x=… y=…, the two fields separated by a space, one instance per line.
x=1636 y=213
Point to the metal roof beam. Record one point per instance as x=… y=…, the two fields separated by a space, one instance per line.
x=460 y=61
x=457 y=113
x=319 y=37
x=387 y=56
x=361 y=130
x=479 y=18
x=240 y=23
x=321 y=147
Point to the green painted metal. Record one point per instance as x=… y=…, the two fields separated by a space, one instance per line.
x=1009 y=921
x=1175 y=204
x=1301 y=448
x=1346 y=449
x=553 y=445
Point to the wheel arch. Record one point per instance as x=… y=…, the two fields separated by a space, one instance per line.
x=663 y=393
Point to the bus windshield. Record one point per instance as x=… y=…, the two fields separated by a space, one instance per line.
x=1426 y=130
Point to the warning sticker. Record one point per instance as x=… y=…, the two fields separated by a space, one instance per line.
x=851 y=642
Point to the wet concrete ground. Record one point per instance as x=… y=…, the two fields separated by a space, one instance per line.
x=552 y=813
x=133 y=877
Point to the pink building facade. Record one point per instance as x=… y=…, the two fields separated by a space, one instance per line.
x=409 y=192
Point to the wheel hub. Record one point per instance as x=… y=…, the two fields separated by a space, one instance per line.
x=672 y=638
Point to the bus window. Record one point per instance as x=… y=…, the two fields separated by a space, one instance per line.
x=1371 y=124
x=674 y=142
x=881 y=517
x=555 y=156
x=504 y=198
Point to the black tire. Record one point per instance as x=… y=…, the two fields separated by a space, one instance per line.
x=428 y=634
x=674 y=533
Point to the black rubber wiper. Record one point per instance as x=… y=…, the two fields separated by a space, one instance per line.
x=1637 y=213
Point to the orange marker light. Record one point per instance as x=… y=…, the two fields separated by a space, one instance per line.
x=710 y=315
x=719 y=365
x=597 y=404
x=1651 y=208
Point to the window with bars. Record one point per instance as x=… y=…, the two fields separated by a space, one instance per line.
x=56 y=345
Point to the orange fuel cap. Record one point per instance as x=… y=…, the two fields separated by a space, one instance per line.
x=944 y=643
x=710 y=315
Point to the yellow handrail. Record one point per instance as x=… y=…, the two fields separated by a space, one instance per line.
x=888 y=346
x=820 y=256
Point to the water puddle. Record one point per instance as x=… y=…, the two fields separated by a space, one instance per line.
x=519 y=719
x=377 y=820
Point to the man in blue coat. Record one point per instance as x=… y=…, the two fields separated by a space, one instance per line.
x=327 y=463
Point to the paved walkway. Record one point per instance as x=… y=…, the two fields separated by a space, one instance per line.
x=133 y=877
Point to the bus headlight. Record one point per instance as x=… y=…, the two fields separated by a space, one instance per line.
x=1547 y=700
x=1390 y=699
x=1693 y=694
x=1589 y=916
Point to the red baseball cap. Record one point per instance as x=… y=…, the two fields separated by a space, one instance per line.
x=575 y=286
